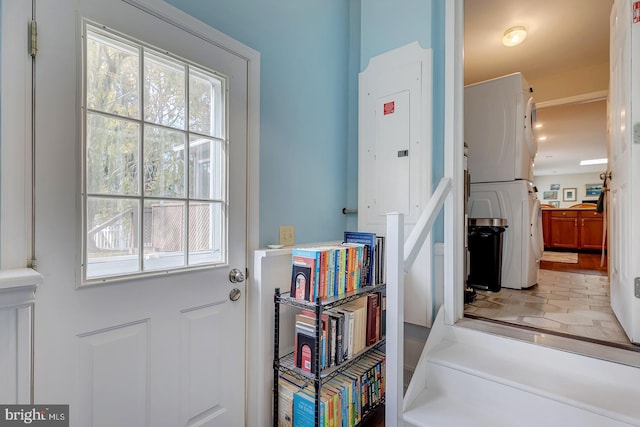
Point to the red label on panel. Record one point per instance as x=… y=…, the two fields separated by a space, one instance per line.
x=636 y=12
x=389 y=107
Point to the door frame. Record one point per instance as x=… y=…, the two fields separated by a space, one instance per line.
x=453 y=158
x=15 y=135
x=453 y=130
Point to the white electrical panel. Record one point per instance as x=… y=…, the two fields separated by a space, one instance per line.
x=391 y=161
x=394 y=156
x=394 y=149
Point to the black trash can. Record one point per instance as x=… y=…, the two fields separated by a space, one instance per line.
x=485 y=253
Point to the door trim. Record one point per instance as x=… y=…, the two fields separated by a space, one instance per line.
x=453 y=159
x=16 y=136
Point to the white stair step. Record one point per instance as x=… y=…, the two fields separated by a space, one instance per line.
x=513 y=405
x=466 y=376
x=566 y=383
x=434 y=409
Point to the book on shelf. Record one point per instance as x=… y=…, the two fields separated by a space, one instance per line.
x=342 y=338
x=349 y=267
x=344 y=399
x=346 y=330
x=333 y=400
x=327 y=271
x=305 y=349
x=379 y=263
x=306 y=323
x=383 y=317
x=357 y=339
x=373 y=318
x=349 y=398
x=370 y=372
x=302 y=274
x=304 y=411
x=348 y=324
x=368 y=254
x=337 y=348
x=288 y=385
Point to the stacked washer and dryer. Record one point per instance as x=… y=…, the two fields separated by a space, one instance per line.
x=499 y=130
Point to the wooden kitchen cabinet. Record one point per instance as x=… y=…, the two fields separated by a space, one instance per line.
x=546 y=228
x=573 y=229
x=564 y=229
x=591 y=230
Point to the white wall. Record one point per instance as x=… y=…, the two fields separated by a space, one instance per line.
x=577 y=181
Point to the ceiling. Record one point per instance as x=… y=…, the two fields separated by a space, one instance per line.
x=565 y=57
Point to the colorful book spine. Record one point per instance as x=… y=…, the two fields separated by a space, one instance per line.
x=304 y=410
x=369 y=254
x=313 y=255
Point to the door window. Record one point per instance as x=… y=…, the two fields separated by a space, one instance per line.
x=154 y=160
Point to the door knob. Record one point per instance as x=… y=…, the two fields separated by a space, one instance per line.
x=236 y=276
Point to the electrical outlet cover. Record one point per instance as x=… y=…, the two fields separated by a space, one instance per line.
x=287 y=235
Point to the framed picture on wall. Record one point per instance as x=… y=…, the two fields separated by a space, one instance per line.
x=592 y=189
x=555 y=203
x=554 y=187
x=569 y=195
x=548 y=195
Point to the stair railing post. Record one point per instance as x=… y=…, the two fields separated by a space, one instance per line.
x=395 y=320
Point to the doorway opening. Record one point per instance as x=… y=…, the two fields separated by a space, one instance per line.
x=569 y=299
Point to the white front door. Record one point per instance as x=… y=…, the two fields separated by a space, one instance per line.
x=162 y=350
x=624 y=151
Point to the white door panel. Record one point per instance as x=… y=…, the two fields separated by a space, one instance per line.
x=165 y=350
x=624 y=105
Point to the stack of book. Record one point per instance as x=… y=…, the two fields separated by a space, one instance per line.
x=346 y=331
x=345 y=399
x=333 y=271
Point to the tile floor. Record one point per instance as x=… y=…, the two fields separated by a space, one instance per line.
x=567 y=303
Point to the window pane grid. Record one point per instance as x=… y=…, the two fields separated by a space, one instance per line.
x=144 y=160
x=111 y=75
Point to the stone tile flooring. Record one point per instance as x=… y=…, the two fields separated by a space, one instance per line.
x=568 y=303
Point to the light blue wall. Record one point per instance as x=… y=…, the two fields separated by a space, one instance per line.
x=388 y=24
x=311 y=54
x=0 y=78
x=355 y=37
x=304 y=48
x=437 y=36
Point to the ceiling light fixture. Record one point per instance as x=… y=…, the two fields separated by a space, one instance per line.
x=542 y=138
x=514 y=36
x=593 y=162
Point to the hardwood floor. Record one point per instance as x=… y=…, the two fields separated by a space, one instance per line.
x=588 y=263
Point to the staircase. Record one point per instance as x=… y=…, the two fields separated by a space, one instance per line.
x=467 y=377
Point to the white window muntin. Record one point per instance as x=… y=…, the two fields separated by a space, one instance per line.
x=201 y=209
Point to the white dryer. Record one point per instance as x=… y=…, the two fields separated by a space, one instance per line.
x=499 y=120
x=522 y=242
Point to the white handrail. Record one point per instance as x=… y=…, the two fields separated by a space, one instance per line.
x=423 y=226
x=397 y=264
